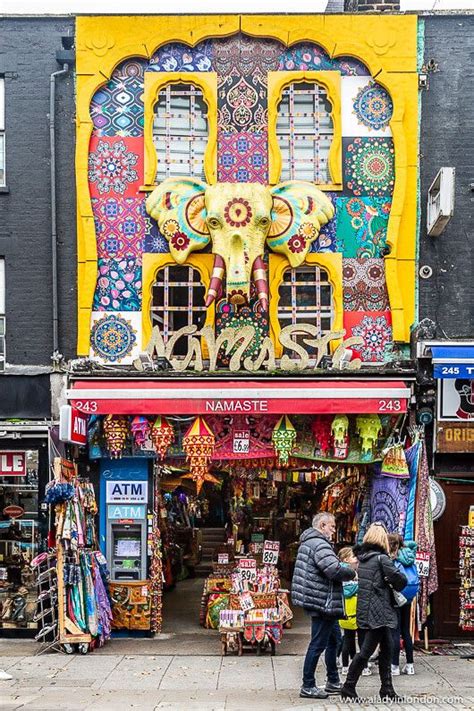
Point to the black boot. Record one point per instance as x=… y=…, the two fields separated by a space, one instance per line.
x=386 y=690
x=348 y=690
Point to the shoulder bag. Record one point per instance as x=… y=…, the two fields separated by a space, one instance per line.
x=398 y=598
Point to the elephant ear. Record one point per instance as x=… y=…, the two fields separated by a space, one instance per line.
x=299 y=211
x=178 y=206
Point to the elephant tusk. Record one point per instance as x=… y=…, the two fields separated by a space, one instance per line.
x=259 y=276
x=215 y=287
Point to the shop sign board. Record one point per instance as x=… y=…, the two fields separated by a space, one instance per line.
x=130 y=512
x=222 y=558
x=12 y=463
x=72 y=426
x=422 y=562
x=128 y=492
x=455 y=437
x=241 y=442
x=271 y=550
x=456 y=399
x=248 y=569
x=13 y=511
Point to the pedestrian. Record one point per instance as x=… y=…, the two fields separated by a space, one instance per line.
x=317 y=587
x=349 y=623
x=404 y=555
x=376 y=615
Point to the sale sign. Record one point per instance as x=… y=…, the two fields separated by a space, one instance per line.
x=271 y=550
x=241 y=442
x=12 y=463
x=248 y=569
x=422 y=562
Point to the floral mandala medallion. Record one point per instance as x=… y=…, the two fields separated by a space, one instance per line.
x=296 y=244
x=238 y=212
x=376 y=333
x=111 y=167
x=370 y=166
x=112 y=338
x=373 y=107
x=180 y=241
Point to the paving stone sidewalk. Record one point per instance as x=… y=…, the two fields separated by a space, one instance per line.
x=103 y=681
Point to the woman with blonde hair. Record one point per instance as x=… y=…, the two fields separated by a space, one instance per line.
x=376 y=613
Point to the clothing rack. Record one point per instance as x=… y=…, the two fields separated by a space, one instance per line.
x=45 y=566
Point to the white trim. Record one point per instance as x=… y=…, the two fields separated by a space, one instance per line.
x=237 y=393
x=453 y=360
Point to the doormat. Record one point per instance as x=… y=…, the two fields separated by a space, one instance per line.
x=453 y=650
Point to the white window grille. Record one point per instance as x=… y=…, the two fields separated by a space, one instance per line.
x=2 y=316
x=178 y=301
x=180 y=132
x=2 y=133
x=305 y=132
x=306 y=297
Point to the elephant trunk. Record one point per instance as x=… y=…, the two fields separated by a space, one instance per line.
x=259 y=276
x=215 y=287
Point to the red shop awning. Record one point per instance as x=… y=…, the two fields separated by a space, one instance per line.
x=200 y=397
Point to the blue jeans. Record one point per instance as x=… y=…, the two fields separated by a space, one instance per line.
x=325 y=637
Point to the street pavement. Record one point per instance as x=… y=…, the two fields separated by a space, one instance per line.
x=106 y=680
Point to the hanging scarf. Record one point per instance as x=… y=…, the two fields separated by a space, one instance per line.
x=424 y=534
x=89 y=596
x=388 y=501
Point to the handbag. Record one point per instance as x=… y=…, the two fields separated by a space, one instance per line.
x=398 y=598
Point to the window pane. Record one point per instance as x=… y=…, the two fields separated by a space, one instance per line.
x=2 y=159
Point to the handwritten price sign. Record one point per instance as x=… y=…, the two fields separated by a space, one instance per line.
x=248 y=569
x=271 y=550
x=241 y=442
x=422 y=562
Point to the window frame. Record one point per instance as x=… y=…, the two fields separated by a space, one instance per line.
x=331 y=82
x=295 y=312
x=154 y=83
x=3 y=184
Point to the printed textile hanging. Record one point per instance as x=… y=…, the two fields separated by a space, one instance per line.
x=284 y=438
x=115 y=433
x=140 y=428
x=395 y=462
x=199 y=443
x=162 y=435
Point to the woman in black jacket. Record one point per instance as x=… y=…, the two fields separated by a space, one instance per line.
x=376 y=613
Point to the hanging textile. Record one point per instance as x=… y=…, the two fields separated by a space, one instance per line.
x=424 y=534
x=389 y=500
x=284 y=438
x=156 y=567
x=412 y=456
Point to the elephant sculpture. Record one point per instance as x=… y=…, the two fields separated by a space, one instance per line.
x=239 y=219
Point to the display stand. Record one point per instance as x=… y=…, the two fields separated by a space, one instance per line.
x=69 y=632
x=46 y=603
x=466 y=571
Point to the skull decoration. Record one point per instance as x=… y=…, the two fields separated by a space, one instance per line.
x=239 y=218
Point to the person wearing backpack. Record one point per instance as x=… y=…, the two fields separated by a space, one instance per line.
x=404 y=554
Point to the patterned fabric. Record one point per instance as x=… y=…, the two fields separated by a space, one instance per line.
x=112 y=338
x=326 y=241
x=177 y=57
x=243 y=157
x=424 y=533
x=115 y=166
x=373 y=106
x=227 y=316
x=119 y=285
x=376 y=330
x=155 y=242
x=120 y=226
x=361 y=226
x=117 y=108
x=364 y=285
x=369 y=166
x=310 y=56
x=389 y=500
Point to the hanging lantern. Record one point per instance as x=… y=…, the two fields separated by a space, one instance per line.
x=115 y=433
x=162 y=435
x=199 y=443
x=140 y=428
x=322 y=434
x=283 y=438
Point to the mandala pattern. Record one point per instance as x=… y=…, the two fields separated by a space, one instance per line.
x=361 y=226
x=243 y=157
x=369 y=166
x=364 y=285
x=238 y=212
x=177 y=57
x=242 y=105
x=155 y=242
x=326 y=241
x=311 y=56
x=115 y=166
x=117 y=108
x=120 y=226
x=119 y=285
x=112 y=338
x=242 y=55
x=376 y=330
x=373 y=106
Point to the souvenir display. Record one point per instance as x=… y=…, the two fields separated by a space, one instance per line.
x=162 y=436
x=466 y=573
x=116 y=433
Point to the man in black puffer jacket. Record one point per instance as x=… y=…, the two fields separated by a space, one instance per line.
x=317 y=587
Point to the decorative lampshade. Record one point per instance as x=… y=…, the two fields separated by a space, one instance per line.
x=283 y=438
x=322 y=433
x=140 y=428
x=115 y=433
x=199 y=443
x=162 y=435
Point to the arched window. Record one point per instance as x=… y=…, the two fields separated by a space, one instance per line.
x=305 y=296
x=177 y=301
x=180 y=131
x=305 y=132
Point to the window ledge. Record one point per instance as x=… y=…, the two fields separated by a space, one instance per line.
x=4 y=189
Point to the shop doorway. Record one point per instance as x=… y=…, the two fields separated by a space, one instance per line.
x=459 y=496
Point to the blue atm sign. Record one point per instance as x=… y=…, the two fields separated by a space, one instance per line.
x=127 y=512
x=126 y=492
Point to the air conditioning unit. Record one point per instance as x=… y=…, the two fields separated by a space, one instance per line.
x=440 y=201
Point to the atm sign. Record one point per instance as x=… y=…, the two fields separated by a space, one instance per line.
x=129 y=492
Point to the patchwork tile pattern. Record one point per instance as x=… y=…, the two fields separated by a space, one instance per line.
x=117 y=108
x=178 y=57
x=310 y=56
x=369 y=166
x=376 y=330
x=120 y=226
x=115 y=166
x=243 y=157
x=115 y=337
x=119 y=285
x=364 y=287
x=361 y=226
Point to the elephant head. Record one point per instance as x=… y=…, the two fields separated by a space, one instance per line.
x=239 y=218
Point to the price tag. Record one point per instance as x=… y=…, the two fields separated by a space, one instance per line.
x=271 y=550
x=248 y=569
x=246 y=601
x=422 y=562
x=241 y=442
x=223 y=558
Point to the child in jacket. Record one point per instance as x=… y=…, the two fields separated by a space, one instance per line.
x=349 y=624
x=404 y=555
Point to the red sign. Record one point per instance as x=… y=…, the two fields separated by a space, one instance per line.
x=13 y=511
x=72 y=426
x=12 y=463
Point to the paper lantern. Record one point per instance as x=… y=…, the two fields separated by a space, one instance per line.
x=115 y=433
x=283 y=438
x=199 y=443
x=368 y=427
x=140 y=428
x=162 y=435
x=322 y=434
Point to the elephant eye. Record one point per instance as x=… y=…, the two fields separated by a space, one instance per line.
x=264 y=221
x=213 y=223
